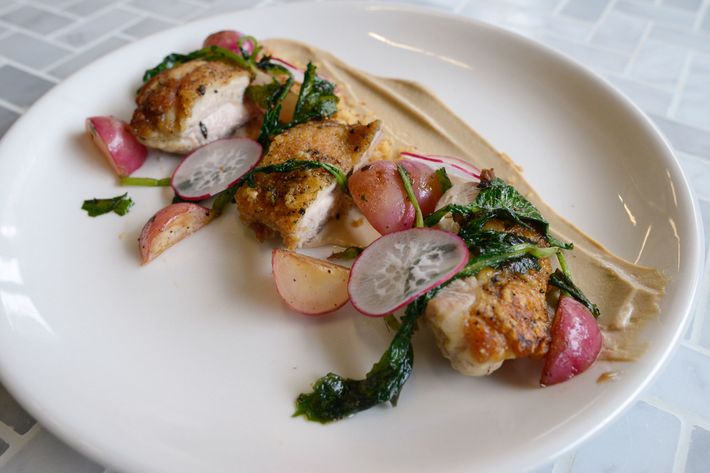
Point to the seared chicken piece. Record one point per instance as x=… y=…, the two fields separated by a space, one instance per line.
x=190 y=105
x=298 y=204
x=499 y=314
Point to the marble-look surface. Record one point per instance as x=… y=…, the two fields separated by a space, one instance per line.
x=657 y=52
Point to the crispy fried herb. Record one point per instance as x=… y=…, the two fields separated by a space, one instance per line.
x=209 y=53
x=564 y=282
x=120 y=205
x=350 y=252
x=443 y=178
x=145 y=181
x=407 y=183
x=296 y=165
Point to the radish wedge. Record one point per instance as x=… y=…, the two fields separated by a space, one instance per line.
x=214 y=167
x=298 y=74
x=454 y=166
x=576 y=342
x=169 y=226
x=308 y=285
x=399 y=267
x=122 y=150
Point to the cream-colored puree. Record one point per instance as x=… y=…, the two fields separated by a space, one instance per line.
x=415 y=119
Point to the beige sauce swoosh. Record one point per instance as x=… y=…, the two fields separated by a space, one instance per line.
x=415 y=119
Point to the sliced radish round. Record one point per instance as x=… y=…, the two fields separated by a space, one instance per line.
x=214 y=167
x=399 y=267
x=298 y=74
x=455 y=166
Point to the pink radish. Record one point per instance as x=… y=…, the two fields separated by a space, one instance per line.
x=228 y=39
x=399 y=267
x=576 y=342
x=454 y=166
x=308 y=285
x=113 y=138
x=214 y=167
x=169 y=226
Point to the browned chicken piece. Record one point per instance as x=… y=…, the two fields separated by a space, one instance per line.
x=190 y=105
x=499 y=314
x=298 y=204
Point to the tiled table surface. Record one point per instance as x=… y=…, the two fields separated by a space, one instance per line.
x=655 y=51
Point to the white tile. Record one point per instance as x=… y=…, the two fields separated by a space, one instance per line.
x=588 y=10
x=595 y=58
x=691 y=5
x=699 y=452
x=662 y=15
x=175 y=9
x=659 y=64
x=88 y=7
x=77 y=62
x=94 y=29
x=694 y=105
x=643 y=440
x=691 y=370
x=649 y=99
x=21 y=88
x=620 y=32
x=31 y=51
x=36 y=19
x=147 y=27
x=685 y=138
x=683 y=38
x=47 y=454
x=698 y=172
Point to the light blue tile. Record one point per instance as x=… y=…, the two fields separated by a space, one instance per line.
x=13 y=415
x=147 y=27
x=699 y=452
x=649 y=99
x=88 y=7
x=21 y=88
x=7 y=118
x=697 y=171
x=544 y=469
x=590 y=56
x=36 y=19
x=587 y=10
x=620 y=32
x=697 y=41
x=31 y=51
x=94 y=29
x=659 y=64
x=705 y=25
x=685 y=138
x=47 y=454
x=643 y=440
x=691 y=370
x=691 y=5
x=662 y=15
x=77 y=62
x=175 y=9
x=694 y=105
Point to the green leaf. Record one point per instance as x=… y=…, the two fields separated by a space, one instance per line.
x=407 y=183
x=350 y=252
x=443 y=178
x=119 y=205
x=316 y=100
x=145 y=181
x=564 y=282
x=210 y=53
x=296 y=165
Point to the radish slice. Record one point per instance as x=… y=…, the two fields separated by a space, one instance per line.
x=214 y=167
x=399 y=267
x=454 y=166
x=298 y=74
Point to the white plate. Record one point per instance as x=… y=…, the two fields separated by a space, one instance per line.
x=191 y=364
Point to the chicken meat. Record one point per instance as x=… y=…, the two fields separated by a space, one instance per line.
x=190 y=105
x=499 y=314
x=297 y=204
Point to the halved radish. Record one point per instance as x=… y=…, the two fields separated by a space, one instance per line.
x=576 y=342
x=298 y=74
x=308 y=285
x=399 y=267
x=454 y=166
x=169 y=226
x=214 y=167
x=117 y=144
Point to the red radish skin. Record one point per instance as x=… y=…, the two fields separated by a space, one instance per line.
x=113 y=138
x=576 y=342
x=308 y=285
x=425 y=184
x=228 y=39
x=380 y=278
x=214 y=167
x=454 y=166
x=169 y=226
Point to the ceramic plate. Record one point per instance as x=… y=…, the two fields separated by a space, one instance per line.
x=191 y=364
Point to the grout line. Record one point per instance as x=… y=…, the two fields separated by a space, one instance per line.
x=152 y=14
x=12 y=106
x=565 y=463
x=682 y=80
x=702 y=304
x=30 y=70
x=677 y=411
x=38 y=36
x=18 y=445
x=49 y=8
x=682 y=447
x=697 y=348
x=605 y=14
x=703 y=11
x=637 y=50
x=105 y=34
x=558 y=8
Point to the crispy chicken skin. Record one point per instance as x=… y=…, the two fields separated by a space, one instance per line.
x=499 y=314
x=190 y=105
x=297 y=204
